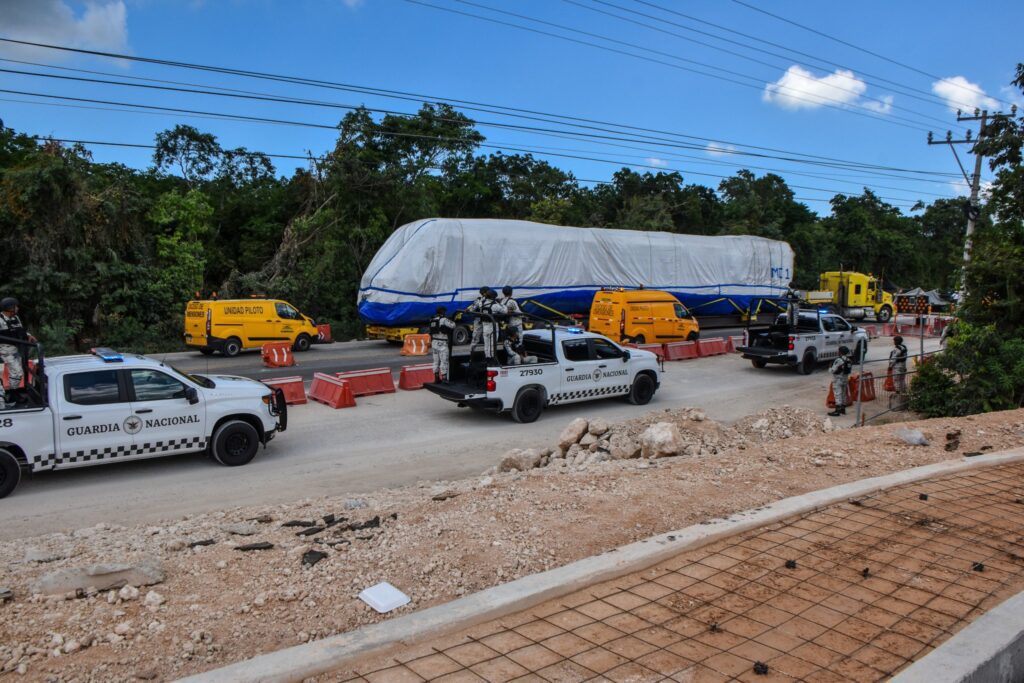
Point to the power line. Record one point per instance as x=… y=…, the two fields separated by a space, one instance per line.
x=855 y=47
x=852 y=109
x=281 y=99
x=884 y=104
x=579 y=157
x=574 y=121
x=924 y=95
x=543 y=149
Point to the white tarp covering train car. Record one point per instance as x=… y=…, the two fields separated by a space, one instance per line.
x=446 y=261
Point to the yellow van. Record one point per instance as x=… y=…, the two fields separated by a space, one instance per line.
x=643 y=316
x=230 y=325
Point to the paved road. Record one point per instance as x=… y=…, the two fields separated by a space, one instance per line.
x=386 y=441
x=329 y=358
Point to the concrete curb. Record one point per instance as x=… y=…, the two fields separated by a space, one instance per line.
x=302 y=661
x=991 y=648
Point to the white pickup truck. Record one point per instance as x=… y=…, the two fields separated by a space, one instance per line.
x=572 y=366
x=107 y=407
x=803 y=340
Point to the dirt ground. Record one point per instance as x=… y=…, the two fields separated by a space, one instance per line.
x=436 y=541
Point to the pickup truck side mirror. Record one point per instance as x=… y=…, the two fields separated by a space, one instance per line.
x=625 y=355
x=191 y=395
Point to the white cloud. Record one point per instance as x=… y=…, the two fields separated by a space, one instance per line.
x=103 y=25
x=717 y=150
x=960 y=93
x=962 y=189
x=798 y=88
x=655 y=161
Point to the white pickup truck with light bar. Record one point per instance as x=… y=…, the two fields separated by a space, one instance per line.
x=105 y=407
x=570 y=366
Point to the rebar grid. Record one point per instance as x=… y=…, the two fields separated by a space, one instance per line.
x=931 y=566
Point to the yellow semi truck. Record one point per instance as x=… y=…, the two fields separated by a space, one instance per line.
x=855 y=296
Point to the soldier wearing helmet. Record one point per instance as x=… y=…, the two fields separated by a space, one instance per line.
x=12 y=354
x=898 y=364
x=840 y=369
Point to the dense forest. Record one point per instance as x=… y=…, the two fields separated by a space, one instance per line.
x=103 y=253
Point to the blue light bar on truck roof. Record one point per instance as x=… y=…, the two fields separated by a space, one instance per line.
x=574 y=330
x=107 y=355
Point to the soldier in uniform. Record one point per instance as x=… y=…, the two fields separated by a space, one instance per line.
x=841 y=368
x=898 y=364
x=515 y=350
x=441 y=328
x=515 y=320
x=490 y=325
x=476 y=307
x=12 y=355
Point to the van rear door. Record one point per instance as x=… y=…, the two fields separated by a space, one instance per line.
x=195 y=323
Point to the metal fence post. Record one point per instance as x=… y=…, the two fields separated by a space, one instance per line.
x=860 y=389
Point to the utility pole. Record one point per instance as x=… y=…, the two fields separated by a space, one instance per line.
x=973 y=208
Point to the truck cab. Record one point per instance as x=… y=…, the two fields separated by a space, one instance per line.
x=853 y=295
x=564 y=365
x=107 y=407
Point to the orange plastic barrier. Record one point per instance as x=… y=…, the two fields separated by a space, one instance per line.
x=711 y=347
x=871 y=330
x=331 y=391
x=323 y=334
x=415 y=345
x=867 y=387
x=278 y=355
x=888 y=329
x=293 y=387
x=656 y=349
x=415 y=376
x=369 y=382
x=830 y=400
x=852 y=387
x=681 y=350
x=734 y=342
x=890 y=384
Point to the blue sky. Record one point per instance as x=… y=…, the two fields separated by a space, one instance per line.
x=833 y=100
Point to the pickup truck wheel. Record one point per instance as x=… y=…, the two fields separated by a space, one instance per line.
x=10 y=472
x=460 y=335
x=642 y=391
x=302 y=342
x=807 y=363
x=235 y=443
x=231 y=347
x=206 y=351
x=528 y=405
x=758 y=363
x=884 y=314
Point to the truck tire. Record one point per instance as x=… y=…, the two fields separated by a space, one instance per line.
x=10 y=472
x=461 y=335
x=235 y=443
x=693 y=336
x=642 y=391
x=232 y=347
x=528 y=406
x=759 y=363
x=884 y=314
x=302 y=342
x=807 y=363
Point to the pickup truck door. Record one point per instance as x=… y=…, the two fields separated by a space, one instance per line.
x=614 y=370
x=166 y=421
x=585 y=375
x=94 y=418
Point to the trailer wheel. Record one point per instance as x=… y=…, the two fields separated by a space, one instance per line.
x=759 y=363
x=807 y=363
x=231 y=347
x=528 y=406
x=642 y=391
x=884 y=314
x=460 y=335
x=235 y=443
x=10 y=472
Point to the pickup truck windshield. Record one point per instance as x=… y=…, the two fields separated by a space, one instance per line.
x=201 y=380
